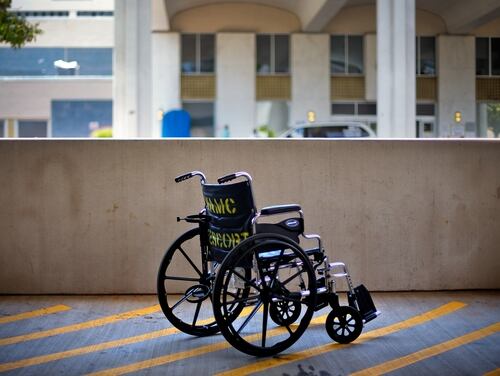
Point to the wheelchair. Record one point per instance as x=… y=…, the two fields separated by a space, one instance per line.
x=262 y=286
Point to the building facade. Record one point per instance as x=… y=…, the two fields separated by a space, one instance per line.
x=405 y=68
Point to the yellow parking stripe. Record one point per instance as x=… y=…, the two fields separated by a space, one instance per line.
x=80 y=326
x=35 y=313
x=495 y=372
x=315 y=351
x=428 y=352
x=193 y=352
x=101 y=346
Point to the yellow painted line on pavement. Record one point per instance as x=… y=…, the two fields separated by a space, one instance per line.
x=429 y=352
x=80 y=326
x=193 y=352
x=35 y=313
x=318 y=350
x=101 y=346
x=495 y=372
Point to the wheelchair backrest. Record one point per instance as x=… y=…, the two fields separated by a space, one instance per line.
x=231 y=209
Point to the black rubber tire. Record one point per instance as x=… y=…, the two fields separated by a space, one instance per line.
x=188 y=326
x=271 y=285
x=284 y=312
x=344 y=324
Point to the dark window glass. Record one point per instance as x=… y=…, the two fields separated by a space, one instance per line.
x=425 y=109
x=335 y=131
x=281 y=53
x=482 y=56
x=80 y=118
x=367 y=109
x=30 y=128
x=263 y=53
x=355 y=49
x=207 y=53
x=495 y=56
x=30 y=61
x=92 y=61
x=337 y=54
x=202 y=118
x=2 y=128
x=188 y=53
x=342 y=108
x=427 y=55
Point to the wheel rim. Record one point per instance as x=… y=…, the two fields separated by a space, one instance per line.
x=344 y=324
x=255 y=334
x=181 y=271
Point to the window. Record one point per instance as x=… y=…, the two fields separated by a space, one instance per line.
x=202 y=118
x=31 y=128
x=92 y=13
x=346 y=54
x=425 y=109
x=2 y=128
x=40 y=13
x=273 y=54
x=354 y=108
x=488 y=56
x=197 y=53
x=425 y=56
x=78 y=118
x=32 y=61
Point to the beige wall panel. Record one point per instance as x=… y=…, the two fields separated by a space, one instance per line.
x=491 y=29
x=362 y=19
x=31 y=99
x=83 y=216
x=228 y=17
x=90 y=32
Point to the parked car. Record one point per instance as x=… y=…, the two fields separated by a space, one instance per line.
x=330 y=130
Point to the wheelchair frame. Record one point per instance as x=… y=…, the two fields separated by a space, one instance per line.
x=344 y=323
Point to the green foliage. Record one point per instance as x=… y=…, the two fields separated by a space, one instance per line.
x=494 y=118
x=266 y=131
x=15 y=30
x=102 y=133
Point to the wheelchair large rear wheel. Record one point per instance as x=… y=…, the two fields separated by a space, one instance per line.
x=184 y=291
x=281 y=275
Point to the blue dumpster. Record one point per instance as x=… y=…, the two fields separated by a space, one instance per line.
x=176 y=123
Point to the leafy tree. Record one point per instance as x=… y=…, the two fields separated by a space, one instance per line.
x=15 y=30
x=494 y=118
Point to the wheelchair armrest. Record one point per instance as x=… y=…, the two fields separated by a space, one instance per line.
x=279 y=209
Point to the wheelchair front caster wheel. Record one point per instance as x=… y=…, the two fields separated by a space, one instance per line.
x=344 y=324
x=284 y=312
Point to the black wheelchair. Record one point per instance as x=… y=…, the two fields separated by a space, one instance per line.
x=262 y=286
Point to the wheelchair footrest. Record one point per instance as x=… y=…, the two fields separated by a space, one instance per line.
x=365 y=303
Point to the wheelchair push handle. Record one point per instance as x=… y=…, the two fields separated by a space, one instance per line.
x=229 y=177
x=191 y=174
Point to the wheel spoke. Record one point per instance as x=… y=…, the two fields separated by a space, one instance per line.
x=276 y=267
x=250 y=316
x=241 y=300
x=190 y=261
x=182 y=300
x=264 y=324
x=198 y=306
x=188 y=279
x=291 y=278
x=251 y=283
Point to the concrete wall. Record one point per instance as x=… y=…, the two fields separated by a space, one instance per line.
x=235 y=84
x=96 y=216
x=457 y=83
x=310 y=66
x=31 y=98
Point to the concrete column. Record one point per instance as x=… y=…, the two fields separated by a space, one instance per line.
x=370 y=63
x=166 y=73
x=235 y=86
x=310 y=77
x=456 y=84
x=132 y=69
x=396 y=68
